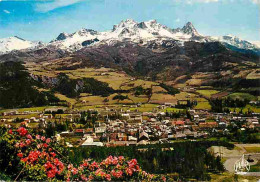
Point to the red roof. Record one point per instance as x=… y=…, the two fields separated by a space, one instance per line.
x=179 y=122
x=208 y=124
x=79 y=130
x=89 y=130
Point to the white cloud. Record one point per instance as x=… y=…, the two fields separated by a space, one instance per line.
x=178 y=20
x=204 y=1
x=215 y=1
x=49 y=6
x=6 y=11
x=197 y=1
x=256 y=1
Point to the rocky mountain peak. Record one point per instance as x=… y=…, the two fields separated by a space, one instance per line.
x=127 y=23
x=62 y=36
x=190 y=29
x=85 y=31
x=141 y=25
x=152 y=21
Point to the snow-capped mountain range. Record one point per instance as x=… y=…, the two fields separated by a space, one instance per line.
x=127 y=30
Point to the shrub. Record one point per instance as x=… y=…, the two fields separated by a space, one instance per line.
x=35 y=157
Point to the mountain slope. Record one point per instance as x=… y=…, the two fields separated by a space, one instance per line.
x=138 y=60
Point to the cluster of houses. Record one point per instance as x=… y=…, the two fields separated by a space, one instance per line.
x=135 y=128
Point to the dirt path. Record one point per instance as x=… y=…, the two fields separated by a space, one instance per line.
x=229 y=164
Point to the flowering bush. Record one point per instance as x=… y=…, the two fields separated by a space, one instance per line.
x=41 y=158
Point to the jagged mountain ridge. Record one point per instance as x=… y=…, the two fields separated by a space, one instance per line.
x=146 y=34
x=128 y=30
x=142 y=33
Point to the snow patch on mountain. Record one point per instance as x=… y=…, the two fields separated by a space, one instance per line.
x=256 y=43
x=236 y=41
x=16 y=43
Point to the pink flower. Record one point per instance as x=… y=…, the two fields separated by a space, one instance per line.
x=20 y=155
x=43 y=138
x=117 y=174
x=90 y=177
x=51 y=169
x=22 y=145
x=29 y=136
x=51 y=174
x=129 y=171
x=93 y=165
x=48 y=165
x=108 y=160
x=59 y=164
x=39 y=146
x=163 y=178
x=56 y=161
x=70 y=166
x=84 y=178
x=28 y=141
x=44 y=155
x=10 y=131
x=108 y=177
x=137 y=167
x=48 y=140
x=33 y=156
x=85 y=163
x=132 y=163
x=74 y=171
x=24 y=159
x=22 y=131
x=118 y=166
x=98 y=172
x=17 y=145
x=38 y=137
x=121 y=159
x=53 y=154
x=114 y=161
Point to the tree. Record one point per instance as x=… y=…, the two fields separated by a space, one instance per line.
x=219 y=164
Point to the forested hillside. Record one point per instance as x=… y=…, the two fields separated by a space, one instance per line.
x=18 y=89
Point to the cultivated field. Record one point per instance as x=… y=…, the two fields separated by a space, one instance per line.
x=207 y=93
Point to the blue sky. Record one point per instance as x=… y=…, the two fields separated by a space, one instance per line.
x=45 y=19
